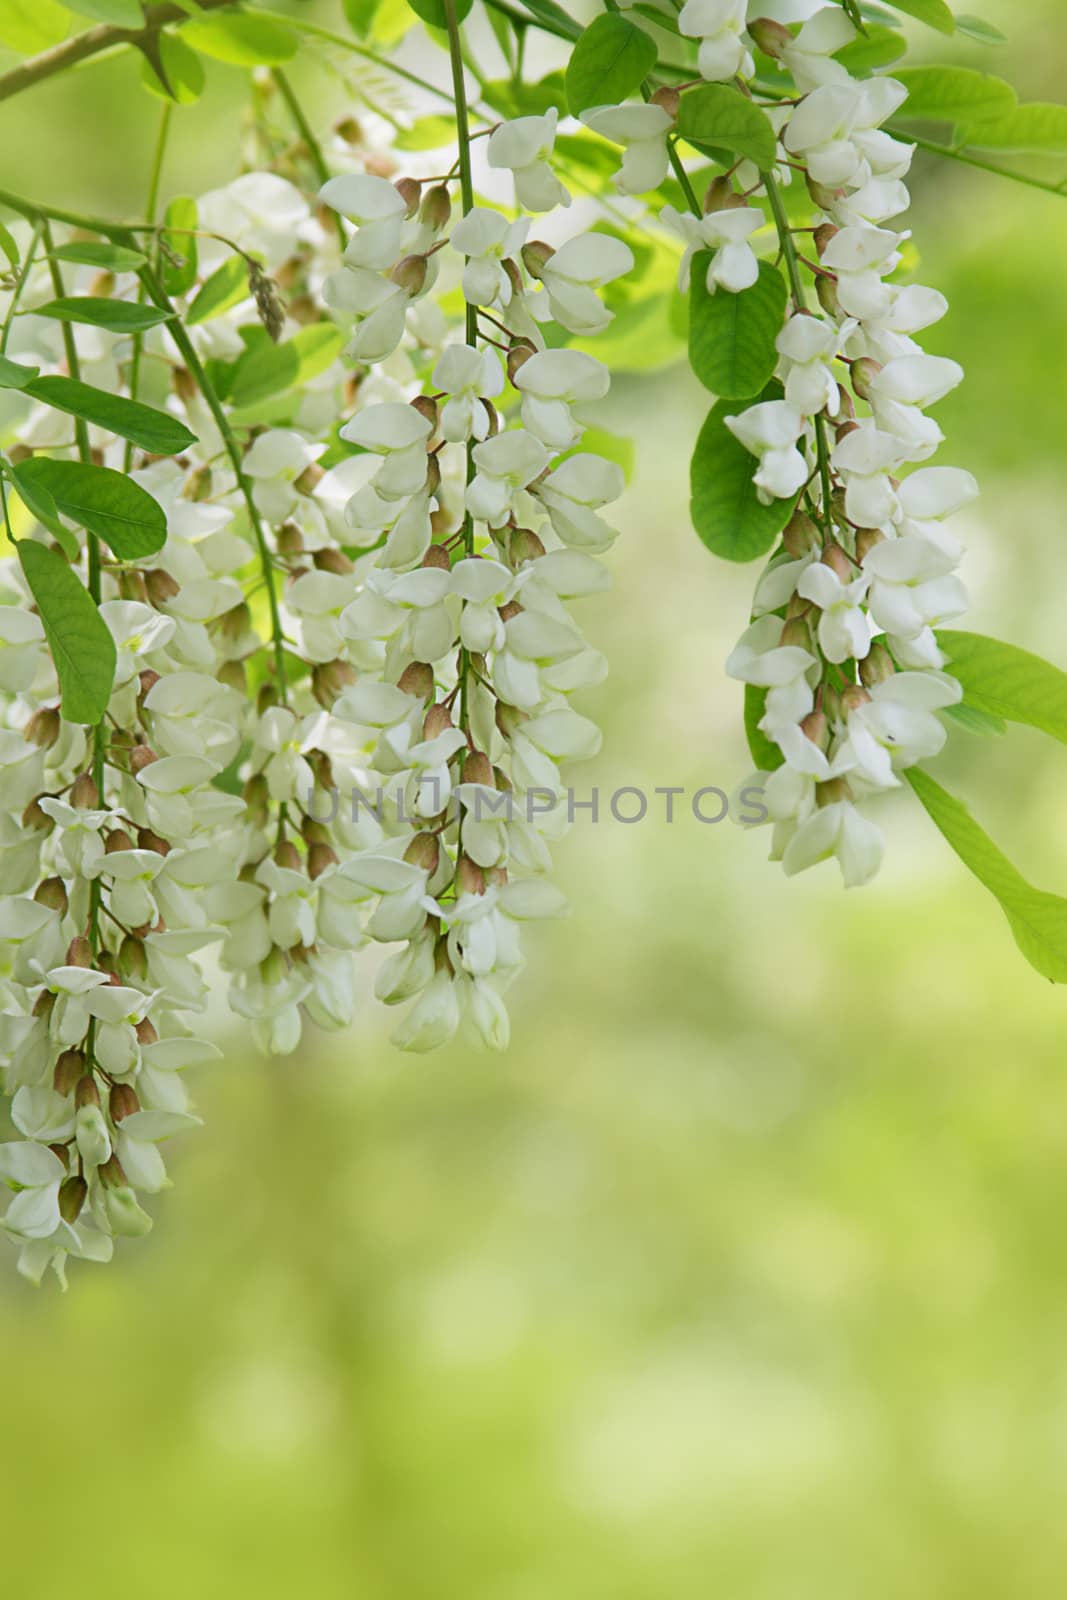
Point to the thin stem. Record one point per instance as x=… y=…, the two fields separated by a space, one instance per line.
x=20 y=284
x=466 y=187
x=796 y=285
x=314 y=149
x=195 y=367
x=154 y=179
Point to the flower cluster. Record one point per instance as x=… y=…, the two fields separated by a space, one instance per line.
x=484 y=513
x=343 y=679
x=842 y=648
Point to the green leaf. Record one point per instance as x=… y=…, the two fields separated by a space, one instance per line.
x=118 y=316
x=8 y=246
x=726 y=510
x=241 y=39
x=954 y=94
x=935 y=13
x=878 y=47
x=527 y=99
x=1006 y=682
x=120 y=13
x=433 y=11
x=81 y=645
x=1036 y=128
x=98 y=253
x=170 y=69
x=611 y=60
x=181 y=214
x=31 y=25
x=39 y=504
x=271 y=368
x=359 y=14
x=732 y=336
x=721 y=117
x=767 y=756
x=975 y=28
x=226 y=286
x=976 y=721
x=101 y=500
x=1038 y=920
x=152 y=430
x=13 y=375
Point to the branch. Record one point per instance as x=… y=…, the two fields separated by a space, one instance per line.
x=93 y=42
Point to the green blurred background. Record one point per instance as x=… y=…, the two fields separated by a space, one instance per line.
x=743 y=1272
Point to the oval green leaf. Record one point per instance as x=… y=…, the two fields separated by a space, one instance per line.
x=935 y=13
x=179 y=261
x=1007 y=683
x=722 y=118
x=268 y=369
x=81 y=645
x=170 y=69
x=120 y=13
x=99 y=253
x=118 y=316
x=13 y=375
x=1038 y=920
x=433 y=11
x=1035 y=129
x=152 y=430
x=226 y=286
x=732 y=336
x=727 y=512
x=611 y=60
x=31 y=25
x=101 y=500
x=954 y=94
x=241 y=39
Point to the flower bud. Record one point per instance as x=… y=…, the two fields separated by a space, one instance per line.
x=287 y=855
x=416 y=679
x=866 y=539
x=509 y=719
x=321 y=768
x=133 y=957
x=535 y=254
x=289 y=540
x=146 y=682
x=146 y=1032
x=436 y=721
x=410 y=191
x=111 y=1173
x=511 y=609
x=117 y=839
x=478 y=769
x=424 y=851
x=320 y=856
x=470 y=879
x=72 y=1193
x=349 y=130
x=826 y=293
x=853 y=697
x=43 y=728
x=796 y=632
x=141 y=756
x=816 y=728
x=79 y=952
x=773 y=38
x=160 y=586
x=823 y=237
x=35 y=818
x=84 y=795
x=836 y=559
x=68 y=1072
x=433 y=474
x=122 y=1102
x=53 y=894
x=437 y=556
x=333 y=560
x=863 y=373
x=234 y=676
x=436 y=208
x=832 y=792
x=267 y=698
x=801 y=536
x=85 y=1092
x=518 y=354
x=876 y=666
x=410 y=274
x=329 y=679
x=668 y=100
x=256 y=796
x=524 y=546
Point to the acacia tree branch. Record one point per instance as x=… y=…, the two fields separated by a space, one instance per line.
x=93 y=42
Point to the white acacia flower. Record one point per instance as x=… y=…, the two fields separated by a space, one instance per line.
x=808 y=347
x=398 y=434
x=556 y=386
x=844 y=631
x=22 y=648
x=573 y=493
x=642 y=130
x=506 y=465
x=838 y=831
x=720 y=27
x=488 y=239
x=897 y=726
x=35 y=1173
x=468 y=377
x=867 y=460
x=276 y=460
x=760 y=658
x=733 y=265
x=770 y=431
x=810 y=55
x=574 y=273
x=378 y=210
x=524 y=146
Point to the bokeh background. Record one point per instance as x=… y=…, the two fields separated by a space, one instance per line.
x=744 y=1272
